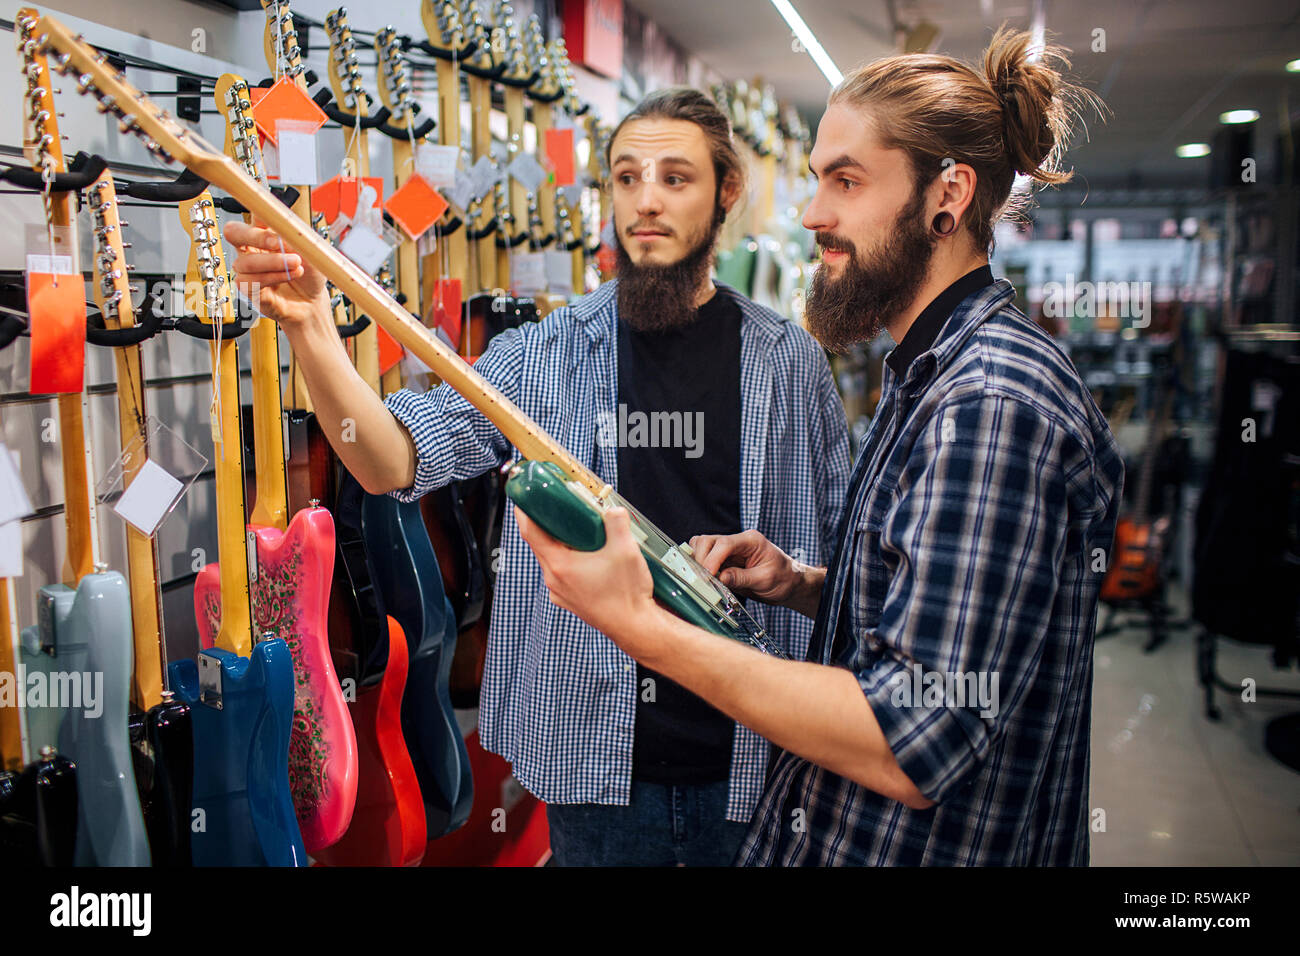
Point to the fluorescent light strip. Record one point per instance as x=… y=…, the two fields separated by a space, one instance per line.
x=806 y=37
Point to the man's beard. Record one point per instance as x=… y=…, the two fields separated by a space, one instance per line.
x=874 y=290
x=656 y=298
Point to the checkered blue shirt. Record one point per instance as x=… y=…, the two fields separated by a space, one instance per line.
x=559 y=699
x=980 y=513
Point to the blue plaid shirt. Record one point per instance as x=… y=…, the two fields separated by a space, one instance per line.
x=559 y=699
x=980 y=514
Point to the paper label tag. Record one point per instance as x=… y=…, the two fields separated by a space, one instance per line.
x=339 y=194
x=437 y=164
x=461 y=192
x=62 y=265
x=415 y=206
x=56 y=313
x=366 y=248
x=484 y=174
x=14 y=502
x=286 y=101
x=527 y=171
x=297 y=153
x=528 y=273
x=559 y=272
x=445 y=309
x=573 y=196
x=559 y=150
x=149 y=497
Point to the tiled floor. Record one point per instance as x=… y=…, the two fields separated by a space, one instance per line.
x=1178 y=789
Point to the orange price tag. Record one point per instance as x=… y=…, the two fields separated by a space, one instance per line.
x=445 y=310
x=390 y=352
x=415 y=206
x=340 y=194
x=57 y=319
x=559 y=150
x=285 y=101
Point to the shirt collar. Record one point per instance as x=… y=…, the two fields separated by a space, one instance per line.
x=923 y=332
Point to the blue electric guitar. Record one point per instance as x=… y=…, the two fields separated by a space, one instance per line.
x=241 y=694
x=81 y=648
x=408 y=576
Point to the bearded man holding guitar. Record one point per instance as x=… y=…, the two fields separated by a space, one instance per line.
x=634 y=767
x=984 y=488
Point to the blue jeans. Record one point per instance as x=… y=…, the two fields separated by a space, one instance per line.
x=662 y=826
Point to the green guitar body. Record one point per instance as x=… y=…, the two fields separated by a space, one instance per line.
x=540 y=490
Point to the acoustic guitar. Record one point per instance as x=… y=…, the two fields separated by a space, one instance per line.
x=240 y=691
x=81 y=646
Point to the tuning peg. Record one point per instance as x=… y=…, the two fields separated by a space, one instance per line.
x=126 y=245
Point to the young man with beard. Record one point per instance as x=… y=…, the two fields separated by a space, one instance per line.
x=633 y=768
x=942 y=713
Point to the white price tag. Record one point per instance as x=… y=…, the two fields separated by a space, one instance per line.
x=461 y=192
x=573 y=195
x=559 y=272
x=38 y=263
x=11 y=549
x=528 y=272
x=484 y=175
x=436 y=163
x=528 y=172
x=14 y=502
x=150 y=495
x=297 y=157
x=364 y=247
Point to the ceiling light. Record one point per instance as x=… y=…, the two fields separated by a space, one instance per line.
x=1192 y=150
x=806 y=37
x=1239 y=116
x=1293 y=66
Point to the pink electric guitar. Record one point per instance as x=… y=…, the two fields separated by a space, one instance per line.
x=290 y=581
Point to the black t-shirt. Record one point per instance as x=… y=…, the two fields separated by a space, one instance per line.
x=679 y=465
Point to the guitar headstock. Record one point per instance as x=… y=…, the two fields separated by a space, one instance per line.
x=280 y=40
x=242 y=144
x=479 y=36
x=442 y=22
x=335 y=296
x=394 y=77
x=345 y=71
x=161 y=133
x=111 y=284
x=42 y=144
x=207 y=264
x=510 y=44
x=546 y=87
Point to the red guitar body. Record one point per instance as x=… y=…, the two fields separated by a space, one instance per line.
x=388 y=825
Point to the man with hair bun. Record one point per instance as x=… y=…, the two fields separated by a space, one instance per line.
x=942 y=714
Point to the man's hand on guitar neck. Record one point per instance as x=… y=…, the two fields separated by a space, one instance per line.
x=371 y=443
x=754 y=567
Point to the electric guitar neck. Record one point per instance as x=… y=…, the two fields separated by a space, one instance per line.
x=112 y=292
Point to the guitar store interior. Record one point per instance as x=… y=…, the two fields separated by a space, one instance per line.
x=1168 y=270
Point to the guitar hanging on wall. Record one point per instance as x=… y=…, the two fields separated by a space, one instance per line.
x=240 y=691
x=556 y=489
x=158 y=725
x=294 y=567
x=84 y=624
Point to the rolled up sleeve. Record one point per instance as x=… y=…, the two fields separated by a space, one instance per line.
x=453 y=439
x=973 y=545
